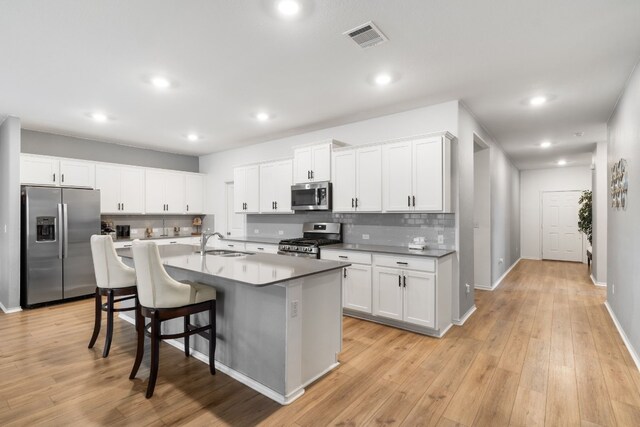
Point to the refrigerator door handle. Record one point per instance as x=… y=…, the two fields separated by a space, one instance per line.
x=65 y=230
x=58 y=227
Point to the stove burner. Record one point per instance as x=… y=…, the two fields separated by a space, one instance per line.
x=309 y=245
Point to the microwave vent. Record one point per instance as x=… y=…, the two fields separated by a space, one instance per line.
x=366 y=35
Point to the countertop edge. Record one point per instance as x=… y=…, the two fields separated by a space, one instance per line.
x=387 y=250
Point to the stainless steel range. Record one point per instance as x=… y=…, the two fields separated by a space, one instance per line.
x=315 y=234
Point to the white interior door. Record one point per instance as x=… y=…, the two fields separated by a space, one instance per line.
x=561 y=239
x=235 y=221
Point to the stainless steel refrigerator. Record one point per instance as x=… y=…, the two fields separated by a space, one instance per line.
x=57 y=224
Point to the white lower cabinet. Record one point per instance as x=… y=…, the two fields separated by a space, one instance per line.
x=406 y=291
x=261 y=248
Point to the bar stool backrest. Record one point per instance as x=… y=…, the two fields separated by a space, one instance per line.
x=110 y=271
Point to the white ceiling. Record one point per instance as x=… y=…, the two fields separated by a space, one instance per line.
x=61 y=60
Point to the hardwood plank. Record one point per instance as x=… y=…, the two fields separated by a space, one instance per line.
x=592 y=391
x=562 y=397
x=528 y=408
x=498 y=402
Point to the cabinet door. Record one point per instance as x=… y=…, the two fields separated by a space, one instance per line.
x=108 y=182
x=356 y=286
x=344 y=181
x=397 y=177
x=252 y=189
x=302 y=165
x=321 y=162
x=268 y=176
x=154 y=198
x=427 y=174
x=420 y=298
x=39 y=170
x=239 y=185
x=194 y=194
x=369 y=179
x=283 y=182
x=77 y=174
x=174 y=192
x=132 y=190
x=387 y=293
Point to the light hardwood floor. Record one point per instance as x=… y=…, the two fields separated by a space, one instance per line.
x=540 y=350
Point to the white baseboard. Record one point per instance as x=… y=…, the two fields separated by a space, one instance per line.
x=460 y=322
x=534 y=258
x=595 y=282
x=500 y=279
x=623 y=335
x=249 y=382
x=10 y=310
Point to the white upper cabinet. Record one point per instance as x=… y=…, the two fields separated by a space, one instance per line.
x=357 y=180
x=76 y=173
x=313 y=163
x=164 y=192
x=44 y=170
x=39 y=170
x=275 y=187
x=121 y=189
x=416 y=175
x=246 y=189
x=194 y=193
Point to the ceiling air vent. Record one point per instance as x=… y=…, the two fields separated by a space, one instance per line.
x=366 y=35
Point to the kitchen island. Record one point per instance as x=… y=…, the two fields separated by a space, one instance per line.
x=279 y=319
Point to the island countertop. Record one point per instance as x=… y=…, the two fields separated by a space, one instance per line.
x=394 y=250
x=257 y=269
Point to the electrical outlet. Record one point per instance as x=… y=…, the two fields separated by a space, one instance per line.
x=501 y=261
x=468 y=287
x=613 y=289
x=280 y=232
x=440 y=239
x=256 y=231
x=365 y=237
x=5 y=228
x=294 y=309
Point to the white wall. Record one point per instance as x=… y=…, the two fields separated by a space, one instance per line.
x=623 y=226
x=482 y=219
x=10 y=213
x=600 y=187
x=533 y=183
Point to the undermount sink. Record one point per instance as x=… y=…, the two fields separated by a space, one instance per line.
x=225 y=253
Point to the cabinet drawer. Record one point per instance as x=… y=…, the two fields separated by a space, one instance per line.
x=261 y=248
x=408 y=262
x=231 y=245
x=346 y=256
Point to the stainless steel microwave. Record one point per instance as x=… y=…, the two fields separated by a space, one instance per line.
x=314 y=196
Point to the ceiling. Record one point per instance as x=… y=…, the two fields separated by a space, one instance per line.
x=228 y=60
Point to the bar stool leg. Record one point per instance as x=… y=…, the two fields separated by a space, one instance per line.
x=212 y=337
x=186 y=337
x=140 y=346
x=98 y=319
x=107 y=343
x=155 y=353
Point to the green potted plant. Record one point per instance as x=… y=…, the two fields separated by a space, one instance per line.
x=585 y=214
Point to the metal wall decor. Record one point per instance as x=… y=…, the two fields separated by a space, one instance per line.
x=619 y=184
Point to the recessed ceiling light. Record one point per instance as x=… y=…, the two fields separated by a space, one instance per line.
x=193 y=137
x=562 y=162
x=160 y=82
x=545 y=144
x=537 y=101
x=99 y=117
x=578 y=134
x=262 y=116
x=288 y=7
x=382 y=79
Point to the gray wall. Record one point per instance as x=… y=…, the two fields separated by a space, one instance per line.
x=623 y=226
x=600 y=205
x=49 y=144
x=10 y=213
x=383 y=229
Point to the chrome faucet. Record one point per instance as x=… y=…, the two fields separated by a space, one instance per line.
x=205 y=238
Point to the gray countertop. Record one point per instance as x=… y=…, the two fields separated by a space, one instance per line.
x=252 y=269
x=395 y=250
x=256 y=239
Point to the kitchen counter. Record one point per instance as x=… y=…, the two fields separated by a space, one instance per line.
x=395 y=250
x=256 y=239
x=259 y=269
x=279 y=318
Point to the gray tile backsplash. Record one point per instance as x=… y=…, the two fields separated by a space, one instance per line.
x=139 y=223
x=392 y=229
